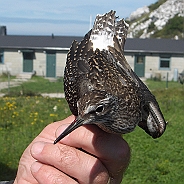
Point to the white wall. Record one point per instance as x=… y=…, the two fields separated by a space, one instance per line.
x=13 y=63
x=60 y=64
x=39 y=63
x=130 y=60
x=152 y=67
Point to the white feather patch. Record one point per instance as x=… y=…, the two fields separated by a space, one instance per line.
x=102 y=40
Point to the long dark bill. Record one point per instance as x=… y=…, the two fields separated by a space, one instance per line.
x=74 y=125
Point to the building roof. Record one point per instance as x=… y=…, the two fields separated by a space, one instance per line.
x=37 y=42
x=133 y=45
x=155 y=46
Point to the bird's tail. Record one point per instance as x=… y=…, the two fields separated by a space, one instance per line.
x=105 y=28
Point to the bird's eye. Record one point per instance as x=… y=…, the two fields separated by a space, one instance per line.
x=100 y=108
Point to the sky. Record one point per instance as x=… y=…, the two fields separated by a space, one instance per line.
x=60 y=17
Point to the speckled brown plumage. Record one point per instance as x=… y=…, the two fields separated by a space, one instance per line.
x=101 y=88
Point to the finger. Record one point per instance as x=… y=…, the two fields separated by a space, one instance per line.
x=75 y=163
x=48 y=134
x=112 y=149
x=46 y=174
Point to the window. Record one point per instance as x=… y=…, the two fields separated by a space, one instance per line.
x=140 y=59
x=28 y=55
x=165 y=62
x=1 y=57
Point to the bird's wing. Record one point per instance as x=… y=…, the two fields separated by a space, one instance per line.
x=153 y=121
x=152 y=118
x=75 y=69
x=121 y=31
x=70 y=78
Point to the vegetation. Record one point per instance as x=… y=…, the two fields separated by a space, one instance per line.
x=151 y=27
x=5 y=77
x=153 y=160
x=22 y=119
x=173 y=27
x=35 y=86
x=159 y=160
x=154 y=6
x=138 y=34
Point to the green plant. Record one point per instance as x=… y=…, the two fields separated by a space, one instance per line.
x=36 y=86
x=159 y=160
x=151 y=27
x=154 y=6
x=5 y=76
x=21 y=119
x=138 y=34
x=152 y=160
x=172 y=28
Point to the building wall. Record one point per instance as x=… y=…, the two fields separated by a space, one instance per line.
x=152 y=67
x=39 y=63
x=177 y=64
x=60 y=63
x=130 y=59
x=13 y=63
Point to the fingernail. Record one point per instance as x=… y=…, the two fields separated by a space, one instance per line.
x=36 y=166
x=61 y=129
x=37 y=148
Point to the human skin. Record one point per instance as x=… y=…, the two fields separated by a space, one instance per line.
x=87 y=155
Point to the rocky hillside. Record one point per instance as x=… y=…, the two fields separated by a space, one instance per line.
x=163 y=19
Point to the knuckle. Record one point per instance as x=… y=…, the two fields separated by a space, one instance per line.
x=123 y=156
x=50 y=176
x=99 y=174
x=68 y=157
x=99 y=139
x=56 y=178
x=124 y=152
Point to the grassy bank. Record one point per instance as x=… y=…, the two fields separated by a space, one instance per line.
x=152 y=161
x=36 y=85
x=160 y=160
x=21 y=119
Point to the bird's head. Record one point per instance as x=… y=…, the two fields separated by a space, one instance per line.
x=93 y=108
x=96 y=107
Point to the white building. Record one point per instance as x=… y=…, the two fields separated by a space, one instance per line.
x=46 y=55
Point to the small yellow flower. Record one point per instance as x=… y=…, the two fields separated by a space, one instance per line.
x=32 y=123
x=53 y=115
x=35 y=114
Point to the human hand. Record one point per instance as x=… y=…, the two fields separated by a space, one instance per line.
x=87 y=155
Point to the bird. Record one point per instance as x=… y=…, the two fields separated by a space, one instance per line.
x=102 y=89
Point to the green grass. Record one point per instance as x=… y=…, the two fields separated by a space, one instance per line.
x=37 y=85
x=152 y=160
x=154 y=6
x=4 y=77
x=160 y=160
x=21 y=119
x=172 y=28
